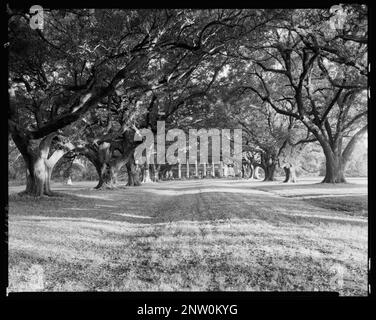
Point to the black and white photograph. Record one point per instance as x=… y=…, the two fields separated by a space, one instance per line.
x=187 y=150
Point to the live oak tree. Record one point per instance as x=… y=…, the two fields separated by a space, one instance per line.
x=305 y=69
x=112 y=125
x=57 y=76
x=266 y=133
x=80 y=58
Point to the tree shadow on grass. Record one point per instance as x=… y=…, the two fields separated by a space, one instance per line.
x=139 y=207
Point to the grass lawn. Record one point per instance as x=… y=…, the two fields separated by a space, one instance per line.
x=191 y=235
x=352 y=205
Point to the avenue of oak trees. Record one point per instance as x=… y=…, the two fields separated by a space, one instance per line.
x=93 y=78
x=307 y=71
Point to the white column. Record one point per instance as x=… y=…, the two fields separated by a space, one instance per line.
x=196 y=168
x=204 y=173
x=156 y=176
x=213 y=169
x=187 y=168
x=179 y=170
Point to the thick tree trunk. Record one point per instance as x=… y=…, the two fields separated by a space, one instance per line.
x=107 y=174
x=335 y=159
x=268 y=163
x=290 y=173
x=334 y=163
x=37 y=183
x=269 y=170
x=335 y=168
x=39 y=164
x=38 y=179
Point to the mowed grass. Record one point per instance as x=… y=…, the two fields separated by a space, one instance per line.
x=352 y=205
x=188 y=235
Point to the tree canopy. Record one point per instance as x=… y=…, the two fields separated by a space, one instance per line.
x=92 y=78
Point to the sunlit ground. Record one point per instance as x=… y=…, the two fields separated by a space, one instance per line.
x=192 y=235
